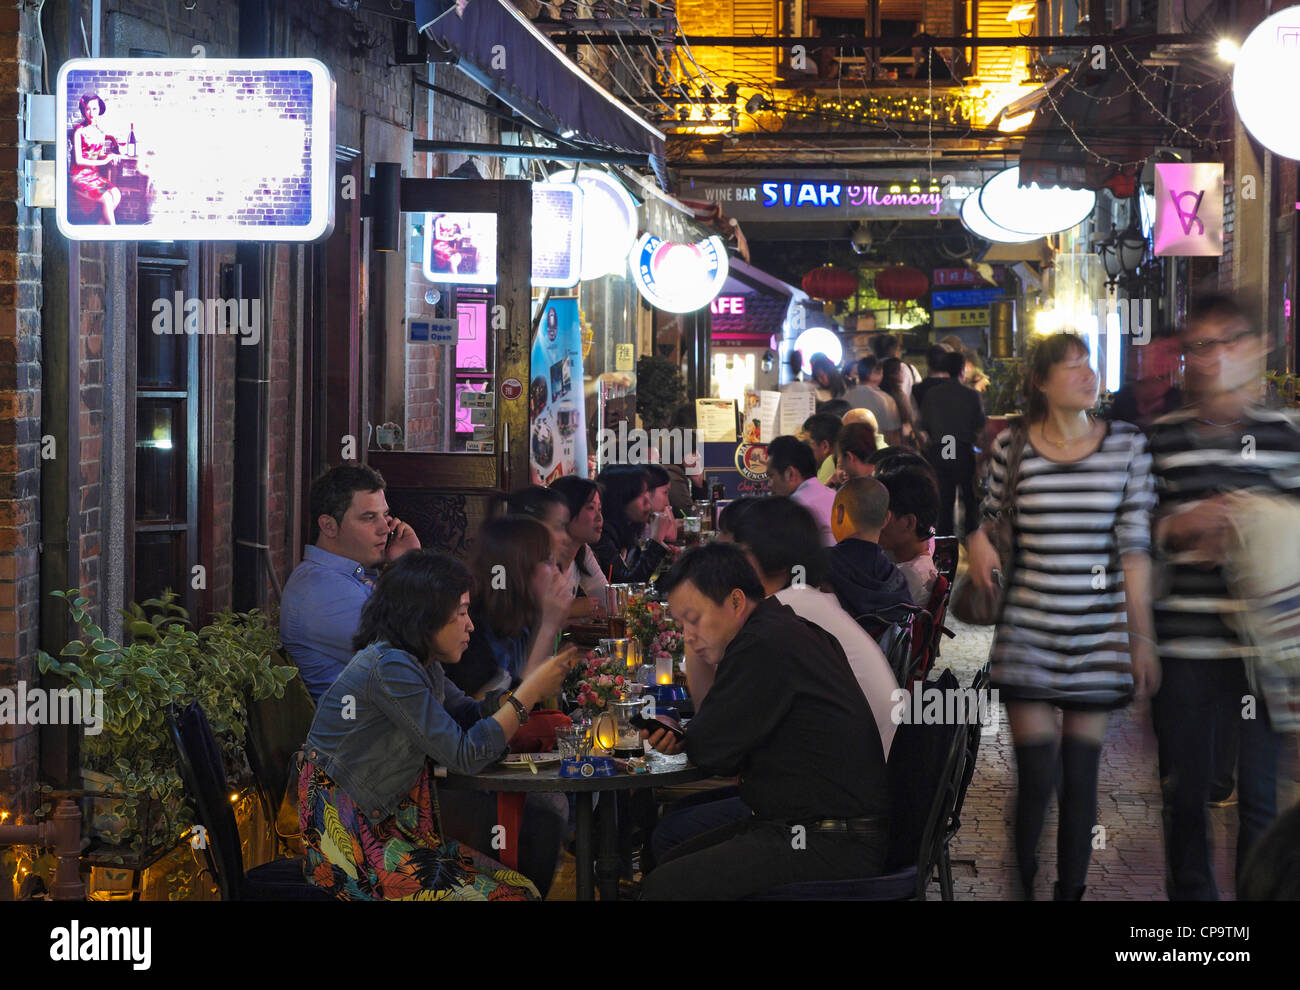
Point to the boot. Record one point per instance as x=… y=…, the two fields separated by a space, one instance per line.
x=1063 y=894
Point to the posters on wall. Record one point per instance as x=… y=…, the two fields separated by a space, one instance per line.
x=556 y=411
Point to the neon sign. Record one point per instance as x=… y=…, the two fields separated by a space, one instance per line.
x=836 y=194
x=735 y=305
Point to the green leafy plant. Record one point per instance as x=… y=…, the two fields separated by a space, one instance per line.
x=1282 y=387
x=232 y=659
x=660 y=389
x=1005 y=393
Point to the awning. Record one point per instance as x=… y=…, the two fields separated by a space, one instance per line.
x=763 y=312
x=499 y=48
x=1109 y=115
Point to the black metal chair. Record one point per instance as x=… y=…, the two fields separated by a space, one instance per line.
x=978 y=685
x=276 y=730
x=926 y=766
x=204 y=775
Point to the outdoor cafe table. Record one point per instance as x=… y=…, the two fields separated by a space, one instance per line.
x=664 y=772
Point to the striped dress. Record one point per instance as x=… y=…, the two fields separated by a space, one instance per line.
x=1262 y=453
x=1062 y=634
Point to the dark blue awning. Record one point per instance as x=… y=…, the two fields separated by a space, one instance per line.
x=501 y=50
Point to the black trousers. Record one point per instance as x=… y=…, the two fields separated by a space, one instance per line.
x=956 y=476
x=1193 y=695
x=750 y=856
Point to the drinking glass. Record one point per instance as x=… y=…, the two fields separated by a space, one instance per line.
x=568 y=742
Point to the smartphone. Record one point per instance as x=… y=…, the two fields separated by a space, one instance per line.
x=653 y=725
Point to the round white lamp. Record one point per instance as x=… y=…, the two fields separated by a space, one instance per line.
x=1265 y=79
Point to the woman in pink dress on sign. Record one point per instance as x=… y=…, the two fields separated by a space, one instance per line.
x=90 y=154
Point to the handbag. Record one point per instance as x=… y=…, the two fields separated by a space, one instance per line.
x=974 y=605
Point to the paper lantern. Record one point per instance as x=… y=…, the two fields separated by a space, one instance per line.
x=830 y=283
x=901 y=283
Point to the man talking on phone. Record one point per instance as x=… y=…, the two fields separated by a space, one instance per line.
x=320 y=609
x=777 y=704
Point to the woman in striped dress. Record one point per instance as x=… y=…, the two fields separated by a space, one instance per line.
x=1075 y=629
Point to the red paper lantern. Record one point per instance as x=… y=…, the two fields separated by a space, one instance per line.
x=901 y=283
x=830 y=283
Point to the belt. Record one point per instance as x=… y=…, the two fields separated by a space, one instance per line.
x=860 y=828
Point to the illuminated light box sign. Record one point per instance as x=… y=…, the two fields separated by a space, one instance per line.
x=196 y=149
x=609 y=220
x=1189 y=209
x=1265 y=80
x=461 y=248
x=677 y=277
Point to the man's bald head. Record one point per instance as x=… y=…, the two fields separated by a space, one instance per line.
x=861 y=416
x=861 y=505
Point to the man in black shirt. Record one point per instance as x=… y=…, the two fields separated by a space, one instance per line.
x=934 y=374
x=952 y=416
x=777 y=704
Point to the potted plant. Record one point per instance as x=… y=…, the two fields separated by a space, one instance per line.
x=234 y=657
x=660 y=389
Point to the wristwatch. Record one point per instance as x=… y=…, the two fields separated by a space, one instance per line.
x=518 y=705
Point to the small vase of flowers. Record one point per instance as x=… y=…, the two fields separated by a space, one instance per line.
x=595 y=681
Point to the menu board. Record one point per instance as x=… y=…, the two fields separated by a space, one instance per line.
x=715 y=419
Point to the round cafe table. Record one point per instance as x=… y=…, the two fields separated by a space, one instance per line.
x=664 y=771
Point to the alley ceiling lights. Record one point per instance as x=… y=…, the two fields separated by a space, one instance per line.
x=1266 y=75
x=1033 y=209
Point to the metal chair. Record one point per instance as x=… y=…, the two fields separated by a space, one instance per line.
x=204 y=775
x=978 y=685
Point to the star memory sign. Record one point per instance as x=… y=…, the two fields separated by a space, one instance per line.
x=1189 y=210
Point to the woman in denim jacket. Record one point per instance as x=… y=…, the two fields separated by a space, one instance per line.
x=367 y=804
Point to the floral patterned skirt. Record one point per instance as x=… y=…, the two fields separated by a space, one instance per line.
x=402 y=858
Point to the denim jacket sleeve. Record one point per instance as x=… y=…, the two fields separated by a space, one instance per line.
x=464 y=709
x=401 y=690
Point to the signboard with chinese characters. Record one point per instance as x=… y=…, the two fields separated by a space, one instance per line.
x=195 y=149
x=864 y=196
x=964 y=277
x=1189 y=210
x=961 y=317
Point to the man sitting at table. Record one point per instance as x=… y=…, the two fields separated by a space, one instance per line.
x=778 y=705
x=320 y=610
x=862 y=577
x=792 y=472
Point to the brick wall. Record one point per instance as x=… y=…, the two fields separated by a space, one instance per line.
x=91 y=327
x=20 y=411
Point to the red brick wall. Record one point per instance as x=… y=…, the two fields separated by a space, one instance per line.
x=20 y=411
x=91 y=351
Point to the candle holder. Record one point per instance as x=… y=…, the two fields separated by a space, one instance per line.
x=664 y=669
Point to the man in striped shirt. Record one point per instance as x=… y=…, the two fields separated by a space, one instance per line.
x=1223 y=442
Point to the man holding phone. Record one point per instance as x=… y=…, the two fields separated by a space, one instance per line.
x=320 y=609
x=778 y=705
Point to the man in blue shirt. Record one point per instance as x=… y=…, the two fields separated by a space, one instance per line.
x=320 y=609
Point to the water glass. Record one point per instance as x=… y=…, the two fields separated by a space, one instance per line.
x=568 y=742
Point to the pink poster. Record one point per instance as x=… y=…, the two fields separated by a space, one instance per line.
x=1189 y=210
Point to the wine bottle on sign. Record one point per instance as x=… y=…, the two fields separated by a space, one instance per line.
x=130 y=143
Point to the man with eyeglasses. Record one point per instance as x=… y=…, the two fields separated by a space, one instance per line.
x=1223 y=442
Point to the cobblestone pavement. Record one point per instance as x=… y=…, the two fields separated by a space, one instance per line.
x=1131 y=866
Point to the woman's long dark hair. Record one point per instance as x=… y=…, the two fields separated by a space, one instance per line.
x=834 y=380
x=415 y=597
x=891 y=383
x=577 y=492
x=623 y=483
x=1038 y=365
x=518 y=544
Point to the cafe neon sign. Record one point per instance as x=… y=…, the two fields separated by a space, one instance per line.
x=677 y=277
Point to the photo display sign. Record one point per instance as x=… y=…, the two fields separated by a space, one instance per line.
x=195 y=149
x=461 y=248
x=556 y=407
